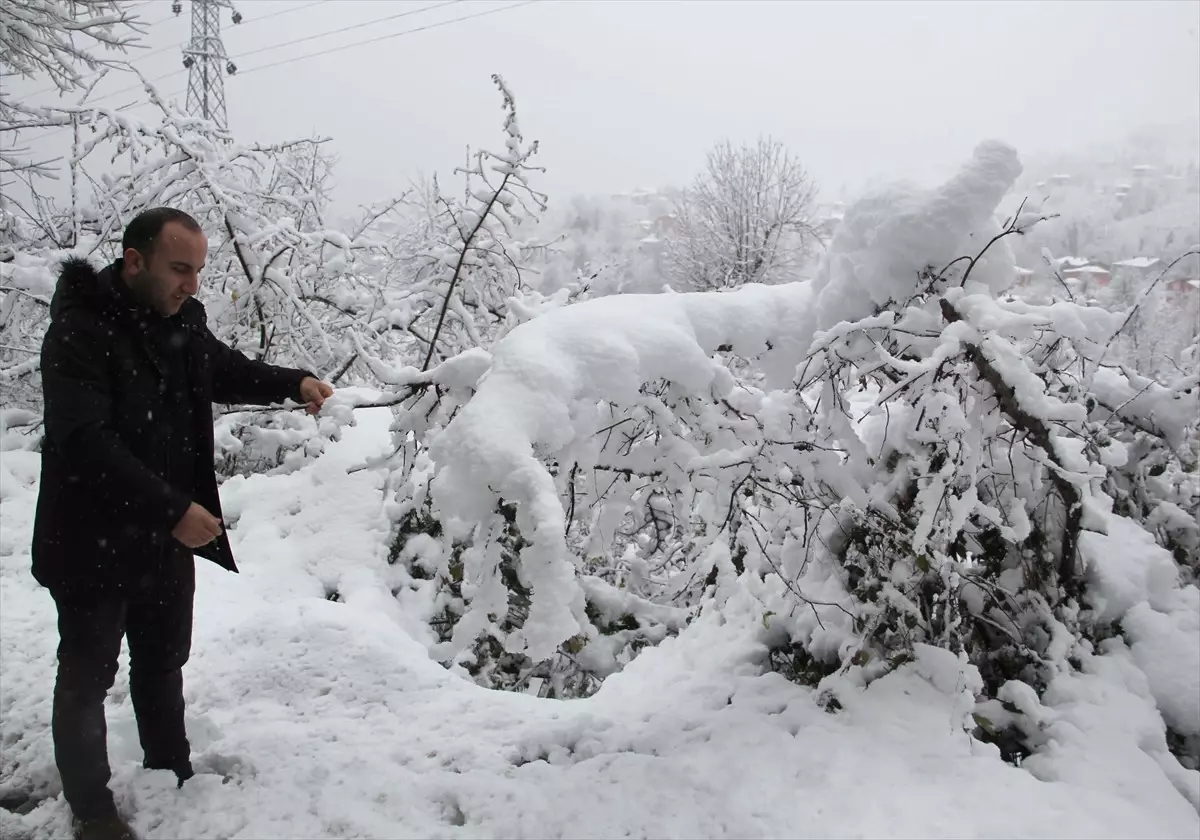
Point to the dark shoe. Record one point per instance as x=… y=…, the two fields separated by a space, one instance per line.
x=182 y=772
x=104 y=828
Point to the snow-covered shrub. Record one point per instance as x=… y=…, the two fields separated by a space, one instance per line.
x=269 y=441
x=888 y=458
x=554 y=382
x=58 y=40
x=27 y=284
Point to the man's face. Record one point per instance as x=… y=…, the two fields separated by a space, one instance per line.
x=172 y=273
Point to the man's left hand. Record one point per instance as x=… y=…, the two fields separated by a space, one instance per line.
x=314 y=392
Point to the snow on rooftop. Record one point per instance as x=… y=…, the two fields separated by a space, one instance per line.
x=1138 y=262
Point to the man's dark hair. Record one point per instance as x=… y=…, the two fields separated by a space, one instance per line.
x=142 y=233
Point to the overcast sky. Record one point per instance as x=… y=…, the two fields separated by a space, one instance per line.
x=627 y=93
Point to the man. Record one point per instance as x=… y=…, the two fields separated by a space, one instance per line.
x=128 y=492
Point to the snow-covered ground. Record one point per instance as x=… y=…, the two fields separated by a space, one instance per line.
x=311 y=717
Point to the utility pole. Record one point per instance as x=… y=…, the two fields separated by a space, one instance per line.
x=206 y=60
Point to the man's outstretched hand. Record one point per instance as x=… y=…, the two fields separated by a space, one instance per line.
x=314 y=392
x=197 y=528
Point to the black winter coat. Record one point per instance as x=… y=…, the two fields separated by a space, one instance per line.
x=105 y=507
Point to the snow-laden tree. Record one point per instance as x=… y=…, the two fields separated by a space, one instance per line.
x=58 y=41
x=889 y=457
x=625 y=395
x=280 y=283
x=747 y=218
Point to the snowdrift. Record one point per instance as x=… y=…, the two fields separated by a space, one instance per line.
x=312 y=716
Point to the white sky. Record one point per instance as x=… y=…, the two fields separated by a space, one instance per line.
x=626 y=93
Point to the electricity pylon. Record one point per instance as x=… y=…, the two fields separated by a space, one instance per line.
x=206 y=60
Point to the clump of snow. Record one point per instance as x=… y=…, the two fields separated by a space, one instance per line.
x=1166 y=647
x=1135 y=582
x=463 y=370
x=1100 y=731
x=600 y=349
x=1125 y=567
x=886 y=240
x=606 y=349
x=1167 y=412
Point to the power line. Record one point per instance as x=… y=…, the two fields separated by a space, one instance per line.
x=434 y=25
x=319 y=53
x=162 y=20
x=347 y=28
x=286 y=11
x=386 y=37
x=139 y=86
x=159 y=51
x=181 y=44
x=251 y=21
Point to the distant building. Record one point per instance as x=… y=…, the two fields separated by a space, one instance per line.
x=1091 y=276
x=660 y=227
x=1184 y=279
x=1136 y=271
x=1138 y=263
x=1183 y=287
x=1085 y=273
x=666 y=225
x=1065 y=263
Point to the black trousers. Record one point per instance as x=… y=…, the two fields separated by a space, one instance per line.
x=156 y=617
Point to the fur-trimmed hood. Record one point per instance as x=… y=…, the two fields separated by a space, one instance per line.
x=81 y=285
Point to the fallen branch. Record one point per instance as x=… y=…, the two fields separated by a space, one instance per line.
x=1039 y=433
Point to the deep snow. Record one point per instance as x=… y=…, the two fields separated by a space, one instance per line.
x=321 y=718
